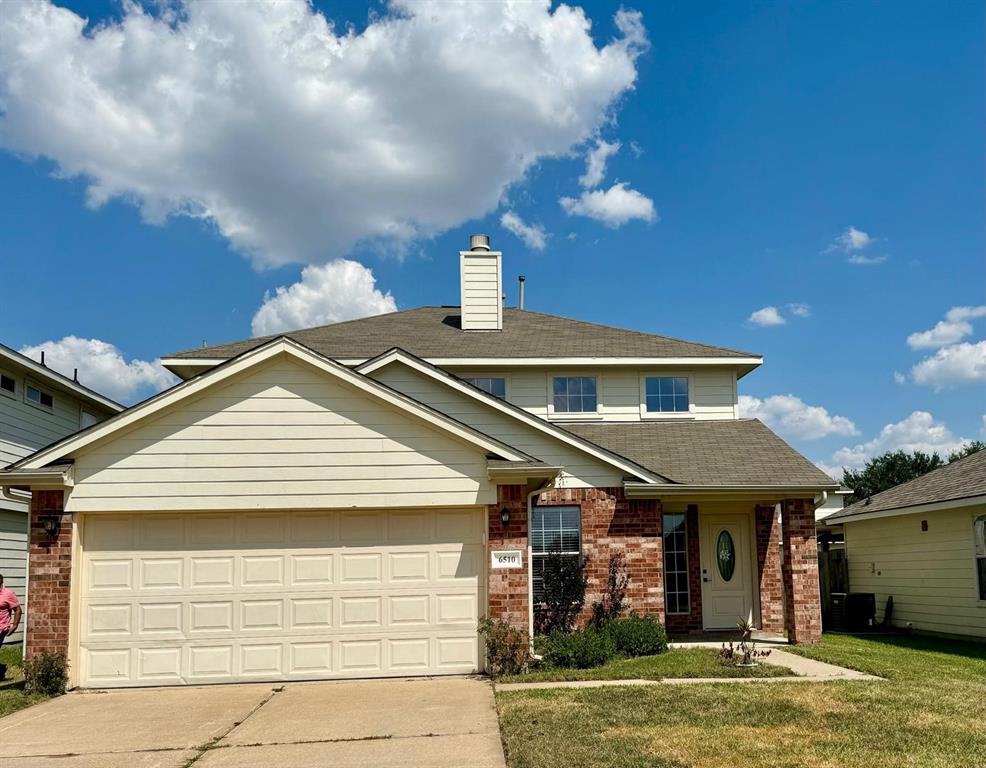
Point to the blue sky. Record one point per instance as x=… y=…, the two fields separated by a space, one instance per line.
x=752 y=137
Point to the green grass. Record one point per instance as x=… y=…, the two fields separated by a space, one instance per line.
x=12 y=696
x=929 y=712
x=677 y=662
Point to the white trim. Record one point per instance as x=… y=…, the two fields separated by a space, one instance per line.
x=58 y=380
x=695 y=491
x=250 y=359
x=422 y=366
x=516 y=362
x=936 y=506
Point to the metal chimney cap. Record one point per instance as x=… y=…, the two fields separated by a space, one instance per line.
x=479 y=242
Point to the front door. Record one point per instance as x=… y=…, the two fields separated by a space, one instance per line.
x=727 y=589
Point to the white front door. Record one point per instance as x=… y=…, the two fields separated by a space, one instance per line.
x=727 y=589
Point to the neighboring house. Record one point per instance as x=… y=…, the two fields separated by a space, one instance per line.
x=347 y=501
x=37 y=407
x=924 y=544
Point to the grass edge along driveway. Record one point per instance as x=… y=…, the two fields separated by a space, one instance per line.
x=929 y=712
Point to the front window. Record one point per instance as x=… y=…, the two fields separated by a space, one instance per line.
x=675 y=563
x=666 y=394
x=493 y=385
x=38 y=397
x=575 y=394
x=980 y=529
x=554 y=531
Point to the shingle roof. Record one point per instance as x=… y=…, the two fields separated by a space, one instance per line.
x=739 y=452
x=435 y=332
x=957 y=480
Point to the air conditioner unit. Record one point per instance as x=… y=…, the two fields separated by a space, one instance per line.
x=853 y=611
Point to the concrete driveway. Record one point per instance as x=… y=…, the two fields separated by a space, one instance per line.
x=420 y=723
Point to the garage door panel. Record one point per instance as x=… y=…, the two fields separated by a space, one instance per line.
x=335 y=604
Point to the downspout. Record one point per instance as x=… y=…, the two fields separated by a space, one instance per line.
x=549 y=485
x=21 y=497
x=821 y=499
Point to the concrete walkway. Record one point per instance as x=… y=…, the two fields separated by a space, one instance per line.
x=805 y=671
x=420 y=723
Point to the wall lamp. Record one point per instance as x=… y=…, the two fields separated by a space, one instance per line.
x=51 y=521
x=504 y=517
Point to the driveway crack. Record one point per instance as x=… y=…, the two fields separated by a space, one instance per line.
x=213 y=743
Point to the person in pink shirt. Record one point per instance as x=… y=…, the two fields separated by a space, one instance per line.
x=10 y=618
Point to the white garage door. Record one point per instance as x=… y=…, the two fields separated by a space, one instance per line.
x=205 y=597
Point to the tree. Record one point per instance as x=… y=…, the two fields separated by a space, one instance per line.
x=886 y=471
x=563 y=587
x=968 y=449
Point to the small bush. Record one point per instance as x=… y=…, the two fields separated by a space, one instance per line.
x=564 y=584
x=508 y=649
x=637 y=635
x=46 y=674
x=579 y=650
x=614 y=601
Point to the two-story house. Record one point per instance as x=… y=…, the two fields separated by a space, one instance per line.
x=37 y=407
x=348 y=500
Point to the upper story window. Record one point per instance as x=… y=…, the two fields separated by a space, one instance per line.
x=496 y=386
x=87 y=419
x=8 y=385
x=38 y=397
x=666 y=394
x=980 y=530
x=575 y=394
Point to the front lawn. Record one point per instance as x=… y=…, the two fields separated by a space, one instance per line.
x=929 y=712
x=12 y=696
x=677 y=662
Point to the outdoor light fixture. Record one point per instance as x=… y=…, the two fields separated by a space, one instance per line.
x=504 y=517
x=51 y=521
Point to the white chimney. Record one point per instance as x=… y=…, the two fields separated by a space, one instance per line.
x=482 y=286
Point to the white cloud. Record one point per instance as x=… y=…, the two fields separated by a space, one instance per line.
x=952 y=329
x=866 y=261
x=103 y=368
x=339 y=290
x=951 y=366
x=595 y=162
x=766 y=316
x=613 y=207
x=918 y=432
x=795 y=419
x=853 y=242
x=899 y=378
x=533 y=235
x=297 y=141
x=799 y=310
x=982 y=429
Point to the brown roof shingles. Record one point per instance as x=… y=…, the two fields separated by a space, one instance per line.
x=434 y=332
x=958 y=480
x=740 y=452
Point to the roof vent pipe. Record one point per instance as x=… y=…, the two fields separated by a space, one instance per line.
x=42 y=357
x=479 y=242
x=520 y=300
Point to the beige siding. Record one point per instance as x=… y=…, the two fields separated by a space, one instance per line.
x=712 y=393
x=482 y=304
x=583 y=470
x=931 y=574
x=284 y=436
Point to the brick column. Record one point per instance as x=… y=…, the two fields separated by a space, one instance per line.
x=802 y=605
x=507 y=593
x=769 y=569
x=49 y=577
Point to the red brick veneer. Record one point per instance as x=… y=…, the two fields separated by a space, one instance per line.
x=507 y=591
x=769 y=569
x=49 y=577
x=802 y=605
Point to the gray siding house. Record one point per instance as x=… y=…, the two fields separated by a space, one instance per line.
x=37 y=407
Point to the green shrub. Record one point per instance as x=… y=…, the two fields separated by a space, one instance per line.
x=563 y=588
x=637 y=635
x=579 y=650
x=46 y=674
x=508 y=649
